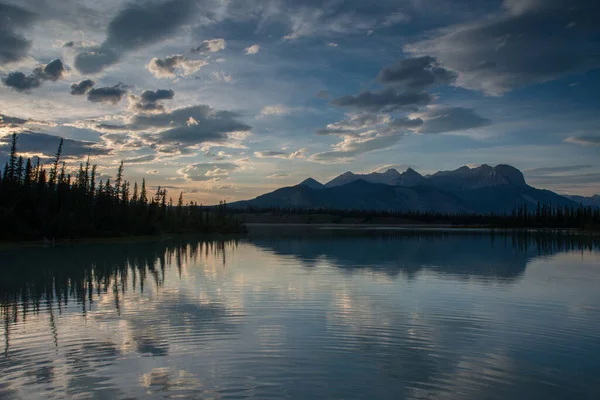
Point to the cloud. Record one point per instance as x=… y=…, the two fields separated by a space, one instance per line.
x=450 y=119
x=110 y=94
x=199 y=172
x=82 y=87
x=20 y=82
x=179 y=130
x=326 y=18
x=386 y=100
x=585 y=140
x=332 y=44
x=52 y=71
x=363 y=133
x=46 y=145
x=94 y=59
x=13 y=46
x=140 y=159
x=585 y=179
x=252 y=49
x=152 y=172
x=278 y=176
x=154 y=96
x=212 y=46
x=556 y=170
x=166 y=67
x=148 y=101
x=416 y=74
x=400 y=123
x=219 y=156
x=134 y=27
x=354 y=124
x=277 y=109
x=531 y=43
x=221 y=76
x=280 y=154
x=5 y=120
x=352 y=146
x=323 y=94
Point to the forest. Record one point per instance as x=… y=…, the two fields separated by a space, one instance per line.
x=544 y=216
x=40 y=203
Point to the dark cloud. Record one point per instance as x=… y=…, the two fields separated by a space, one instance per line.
x=136 y=26
x=95 y=59
x=160 y=94
x=176 y=130
x=140 y=159
x=534 y=42
x=400 y=123
x=415 y=74
x=52 y=71
x=386 y=100
x=13 y=46
x=110 y=94
x=20 y=82
x=585 y=140
x=82 y=87
x=199 y=115
x=69 y=44
x=5 y=120
x=149 y=100
x=42 y=143
x=450 y=119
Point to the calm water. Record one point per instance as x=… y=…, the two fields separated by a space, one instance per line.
x=334 y=315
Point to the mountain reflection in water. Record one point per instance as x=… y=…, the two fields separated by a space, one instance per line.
x=401 y=314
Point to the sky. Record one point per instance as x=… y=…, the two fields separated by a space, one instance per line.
x=229 y=99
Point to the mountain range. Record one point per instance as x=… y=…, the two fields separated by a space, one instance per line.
x=483 y=189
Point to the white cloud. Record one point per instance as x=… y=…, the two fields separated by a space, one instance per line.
x=211 y=45
x=276 y=109
x=167 y=67
x=220 y=76
x=152 y=172
x=199 y=172
x=280 y=154
x=278 y=176
x=252 y=49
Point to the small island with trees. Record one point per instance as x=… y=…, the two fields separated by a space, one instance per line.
x=38 y=203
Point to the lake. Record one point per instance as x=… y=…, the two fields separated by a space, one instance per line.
x=335 y=314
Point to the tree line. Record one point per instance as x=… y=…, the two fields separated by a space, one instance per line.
x=37 y=202
x=521 y=216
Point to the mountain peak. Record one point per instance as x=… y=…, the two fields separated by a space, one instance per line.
x=312 y=183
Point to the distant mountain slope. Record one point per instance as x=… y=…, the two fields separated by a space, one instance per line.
x=312 y=183
x=465 y=178
x=483 y=189
x=361 y=195
x=593 y=201
x=390 y=177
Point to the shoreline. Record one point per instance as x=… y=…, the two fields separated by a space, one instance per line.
x=258 y=226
